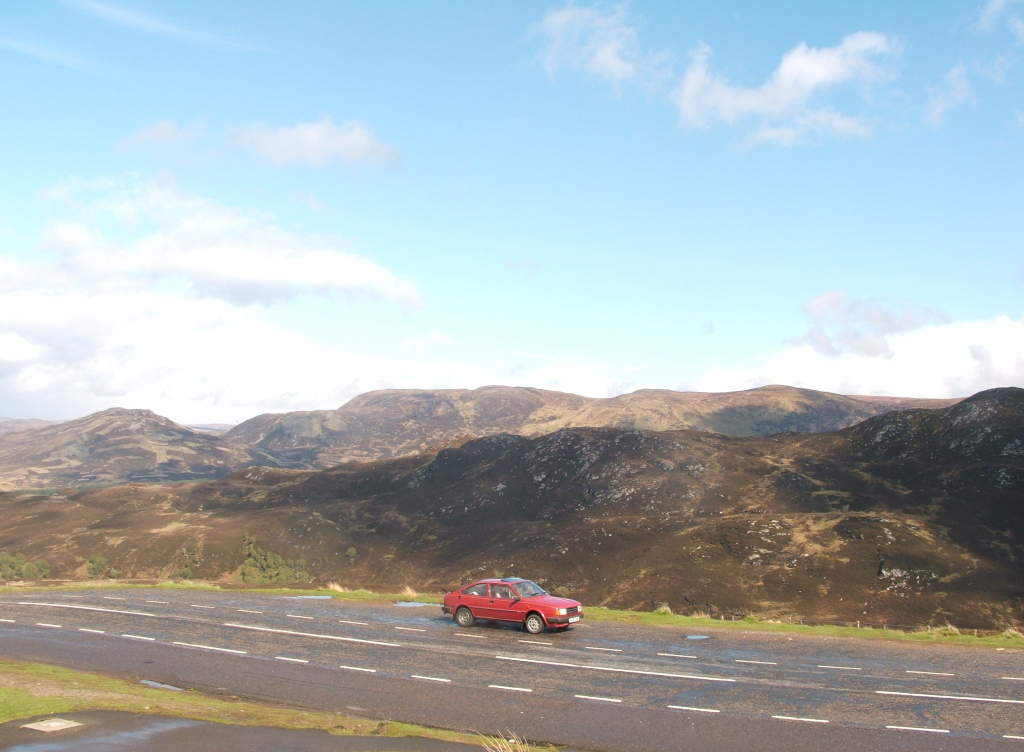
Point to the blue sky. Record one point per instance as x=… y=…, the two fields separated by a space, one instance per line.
x=220 y=209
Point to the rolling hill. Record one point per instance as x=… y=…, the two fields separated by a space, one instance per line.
x=909 y=517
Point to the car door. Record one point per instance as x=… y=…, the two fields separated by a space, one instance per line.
x=501 y=603
x=475 y=598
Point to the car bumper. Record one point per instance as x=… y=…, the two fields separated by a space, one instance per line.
x=565 y=619
x=445 y=610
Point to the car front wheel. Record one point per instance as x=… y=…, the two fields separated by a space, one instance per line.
x=534 y=624
x=464 y=617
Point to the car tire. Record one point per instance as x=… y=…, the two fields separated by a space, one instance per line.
x=464 y=617
x=533 y=624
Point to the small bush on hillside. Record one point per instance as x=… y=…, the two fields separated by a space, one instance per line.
x=350 y=556
x=17 y=567
x=97 y=565
x=263 y=567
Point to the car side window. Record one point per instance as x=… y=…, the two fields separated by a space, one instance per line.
x=501 y=591
x=475 y=590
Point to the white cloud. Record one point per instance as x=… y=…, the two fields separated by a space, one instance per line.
x=317 y=143
x=781 y=107
x=42 y=52
x=598 y=40
x=956 y=91
x=151 y=24
x=992 y=11
x=159 y=137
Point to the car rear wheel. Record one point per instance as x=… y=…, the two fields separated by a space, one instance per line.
x=464 y=617
x=534 y=624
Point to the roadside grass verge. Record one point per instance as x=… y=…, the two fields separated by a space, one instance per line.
x=33 y=689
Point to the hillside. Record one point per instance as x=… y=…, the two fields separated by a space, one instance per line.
x=113 y=446
x=15 y=425
x=392 y=423
x=910 y=517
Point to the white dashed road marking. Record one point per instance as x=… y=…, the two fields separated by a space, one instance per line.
x=804 y=720
x=292 y=660
x=91 y=631
x=52 y=626
x=85 y=608
x=676 y=655
x=616 y=670
x=247 y=611
x=411 y=629
x=951 y=697
x=162 y=602
x=842 y=668
x=1011 y=736
x=210 y=647
x=510 y=689
x=312 y=634
x=296 y=616
x=139 y=637
x=699 y=710
x=359 y=623
x=930 y=673
x=1014 y=678
x=763 y=663
x=430 y=678
x=196 y=606
x=599 y=699
x=8 y=621
x=474 y=636
x=113 y=598
x=356 y=668
x=608 y=650
x=537 y=642
x=915 y=728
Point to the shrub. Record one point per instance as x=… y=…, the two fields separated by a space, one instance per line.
x=17 y=567
x=97 y=565
x=263 y=567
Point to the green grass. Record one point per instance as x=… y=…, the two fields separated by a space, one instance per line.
x=33 y=689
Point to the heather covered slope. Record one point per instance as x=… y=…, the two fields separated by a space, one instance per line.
x=112 y=446
x=392 y=423
x=906 y=518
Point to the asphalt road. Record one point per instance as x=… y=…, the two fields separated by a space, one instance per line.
x=600 y=686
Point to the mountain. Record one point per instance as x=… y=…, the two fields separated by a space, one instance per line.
x=911 y=517
x=113 y=446
x=14 y=425
x=392 y=423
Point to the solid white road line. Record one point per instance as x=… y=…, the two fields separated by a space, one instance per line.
x=312 y=634
x=139 y=637
x=676 y=655
x=359 y=623
x=599 y=699
x=210 y=647
x=411 y=629
x=85 y=608
x=843 y=668
x=699 y=710
x=163 y=602
x=8 y=621
x=804 y=720
x=951 y=697
x=510 y=689
x=607 y=650
x=296 y=616
x=91 y=631
x=247 y=611
x=430 y=678
x=930 y=673
x=356 y=668
x=285 y=658
x=537 y=642
x=915 y=728
x=195 y=606
x=52 y=626
x=616 y=670
x=474 y=636
x=763 y=663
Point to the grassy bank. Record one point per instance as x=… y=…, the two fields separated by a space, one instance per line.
x=32 y=689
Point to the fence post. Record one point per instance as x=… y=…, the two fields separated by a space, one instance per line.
x=858 y=623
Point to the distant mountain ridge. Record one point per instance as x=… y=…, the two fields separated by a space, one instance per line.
x=119 y=445
x=14 y=425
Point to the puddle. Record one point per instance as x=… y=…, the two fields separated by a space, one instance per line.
x=413 y=604
x=308 y=597
x=697 y=637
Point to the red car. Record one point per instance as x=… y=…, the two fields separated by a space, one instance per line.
x=511 y=599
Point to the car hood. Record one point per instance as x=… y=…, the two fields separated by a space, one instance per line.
x=553 y=601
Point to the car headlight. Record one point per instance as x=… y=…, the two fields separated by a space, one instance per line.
x=563 y=611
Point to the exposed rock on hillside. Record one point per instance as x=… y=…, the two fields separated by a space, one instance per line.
x=907 y=518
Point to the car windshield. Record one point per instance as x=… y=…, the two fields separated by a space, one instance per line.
x=528 y=589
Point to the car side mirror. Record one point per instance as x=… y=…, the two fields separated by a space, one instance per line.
x=516 y=599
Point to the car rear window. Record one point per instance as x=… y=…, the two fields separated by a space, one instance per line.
x=475 y=590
